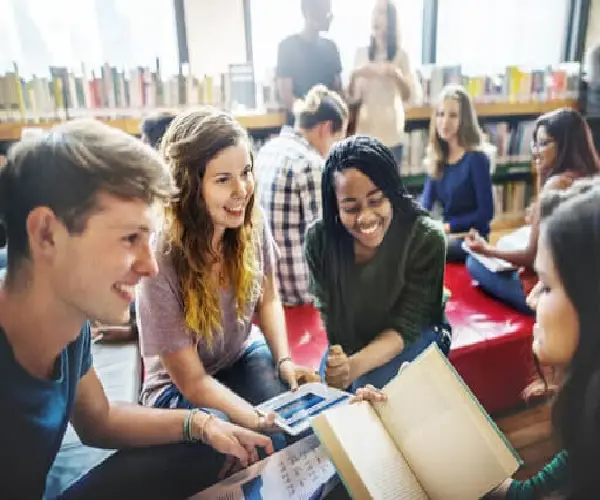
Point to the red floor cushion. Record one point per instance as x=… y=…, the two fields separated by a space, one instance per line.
x=306 y=335
x=491 y=346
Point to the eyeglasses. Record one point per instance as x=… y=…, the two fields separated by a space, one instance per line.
x=537 y=147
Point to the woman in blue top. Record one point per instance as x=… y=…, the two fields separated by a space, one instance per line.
x=459 y=172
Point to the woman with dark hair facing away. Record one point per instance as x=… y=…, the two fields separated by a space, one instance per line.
x=459 y=171
x=154 y=127
x=216 y=261
x=566 y=338
x=383 y=81
x=563 y=151
x=376 y=262
x=289 y=170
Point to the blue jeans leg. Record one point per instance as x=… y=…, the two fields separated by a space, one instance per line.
x=380 y=376
x=504 y=286
x=254 y=376
x=455 y=252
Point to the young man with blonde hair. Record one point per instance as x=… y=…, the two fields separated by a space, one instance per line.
x=79 y=206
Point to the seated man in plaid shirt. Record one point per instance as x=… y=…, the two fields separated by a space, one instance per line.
x=288 y=170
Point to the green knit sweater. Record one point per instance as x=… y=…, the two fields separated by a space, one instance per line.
x=551 y=479
x=401 y=288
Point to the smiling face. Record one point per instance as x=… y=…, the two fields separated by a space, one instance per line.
x=228 y=187
x=364 y=210
x=556 y=332
x=544 y=150
x=94 y=274
x=447 y=119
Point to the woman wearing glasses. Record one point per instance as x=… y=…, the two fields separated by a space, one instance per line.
x=563 y=150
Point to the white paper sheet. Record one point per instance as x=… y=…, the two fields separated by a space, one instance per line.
x=301 y=471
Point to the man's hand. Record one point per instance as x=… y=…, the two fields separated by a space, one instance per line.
x=231 y=439
x=338 y=371
x=295 y=376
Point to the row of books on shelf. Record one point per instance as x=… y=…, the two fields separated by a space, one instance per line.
x=109 y=91
x=512 y=198
x=515 y=84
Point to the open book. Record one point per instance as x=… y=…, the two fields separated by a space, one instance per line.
x=430 y=440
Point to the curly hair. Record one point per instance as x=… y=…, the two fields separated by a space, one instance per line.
x=195 y=138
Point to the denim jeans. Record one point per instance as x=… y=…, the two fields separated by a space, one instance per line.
x=455 y=252
x=180 y=470
x=383 y=374
x=504 y=286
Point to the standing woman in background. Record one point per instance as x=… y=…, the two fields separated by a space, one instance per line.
x=383 y=81
x=459 y=171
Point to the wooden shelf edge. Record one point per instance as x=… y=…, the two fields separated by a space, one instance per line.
x=493 y=109
x=11 y=131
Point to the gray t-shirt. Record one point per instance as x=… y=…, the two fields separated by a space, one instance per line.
x=161 y=322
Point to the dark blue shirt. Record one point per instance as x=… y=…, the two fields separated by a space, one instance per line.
x=464 y=191
x=33 y=416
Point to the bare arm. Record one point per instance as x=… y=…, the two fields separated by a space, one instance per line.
x=526 y=257
x=105 y=425
x=199 y=388
x=101 y=424
x=272 y=319
x=381 y=350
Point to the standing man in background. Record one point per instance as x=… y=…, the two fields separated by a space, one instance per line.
x=307 y=59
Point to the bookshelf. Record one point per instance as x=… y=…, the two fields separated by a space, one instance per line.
x=256 y=122
x=513 y=177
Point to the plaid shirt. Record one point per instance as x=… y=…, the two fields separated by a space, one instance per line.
x=288 y=171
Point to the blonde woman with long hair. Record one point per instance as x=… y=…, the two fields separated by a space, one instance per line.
x=459 y=171
x=216 y=258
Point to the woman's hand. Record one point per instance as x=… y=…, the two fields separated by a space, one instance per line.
x=476 y=243
x=230 y=439
x=370 y=394
x=338 y=371
x=368 y=70
x=295 y=376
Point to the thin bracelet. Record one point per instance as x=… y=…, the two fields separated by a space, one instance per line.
x=203 y=436
x=280 y=362
x=187 y=427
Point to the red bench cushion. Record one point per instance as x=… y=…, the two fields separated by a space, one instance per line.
x=491 y=345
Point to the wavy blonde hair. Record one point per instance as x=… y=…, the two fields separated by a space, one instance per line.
x=193 y=139
x=469 y=134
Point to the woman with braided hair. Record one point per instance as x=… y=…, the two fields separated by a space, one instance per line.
x=376 y=262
